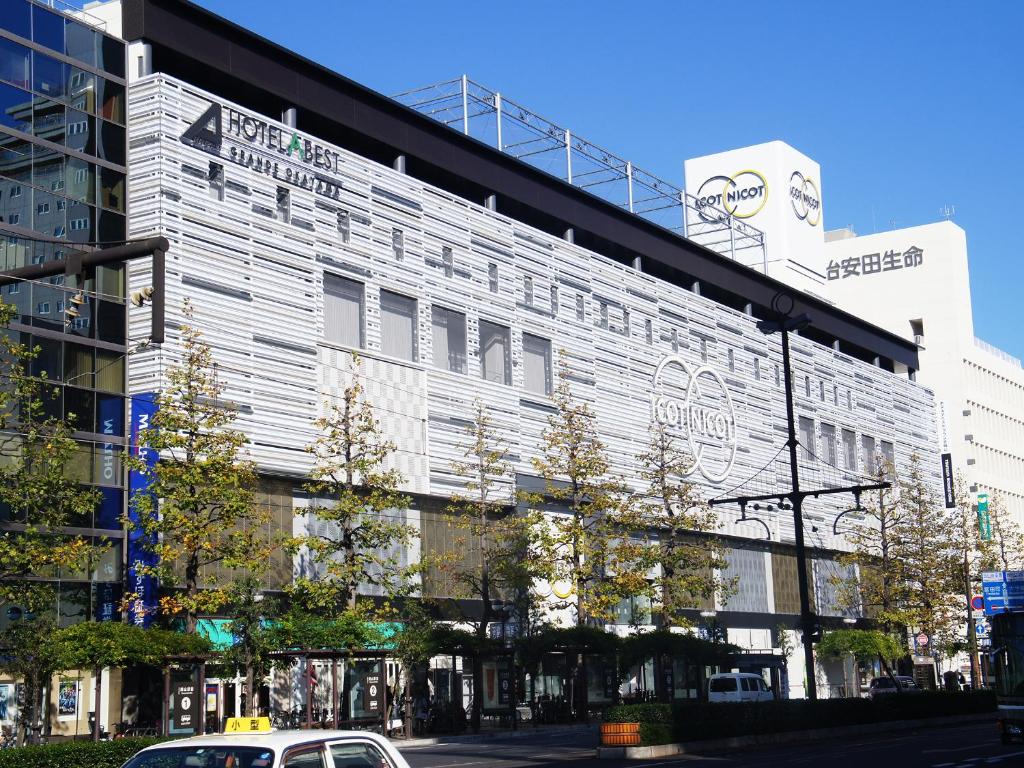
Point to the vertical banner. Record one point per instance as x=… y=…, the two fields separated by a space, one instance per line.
x=984 y=521
x=140 y=553
x=947 y=480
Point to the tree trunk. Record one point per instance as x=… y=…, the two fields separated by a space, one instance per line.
x=478 y=694
x=252 y=700
x=97 y=697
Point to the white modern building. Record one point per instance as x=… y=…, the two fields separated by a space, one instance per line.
x=914 y=282
x=310 y=219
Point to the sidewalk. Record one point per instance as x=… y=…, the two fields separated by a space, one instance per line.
x=525 y=731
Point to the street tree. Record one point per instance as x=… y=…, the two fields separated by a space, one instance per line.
x=497 y=545
x=971 y=553
x=1005 y=550
x=927 y=556
x=33 y=651
x=690 y=556
x=876 y=546
x=355 y=532
x=595 y=544
x=252 y=614
x=201 y=513
x=39 y=483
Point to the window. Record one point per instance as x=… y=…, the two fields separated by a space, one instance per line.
x=216 y=178
x=449 y=337
x=807 y=386
x=888 y=457
x=828 y=444
x=492 y=277
x=704 y=350
x=554 y=299
x=757 y=369
x=495 y=358
x=284 y=204
x=528 y=290
x=537 y=364
x=398 y=325
x=398 y=243
x=358 y=755
x=731 y=357
x=722 y=684
x=649 y=330
x=448 y=259
x=307 y=758
x=867 y=453
x=806 y=438
x=821 y=390
x=625 y=322
x=345 y=226
x=675 y=340
x=343 y=311
x=579 y=306
x=604 y=315
x=849 y=400
x=776 y=374
x=849 y=449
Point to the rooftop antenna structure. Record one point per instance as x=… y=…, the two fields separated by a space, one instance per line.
x=948 y=211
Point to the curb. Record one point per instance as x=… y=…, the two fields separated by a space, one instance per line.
x=526 y=732
x=790 y=737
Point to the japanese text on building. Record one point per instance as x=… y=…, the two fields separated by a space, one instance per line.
x=872 y=263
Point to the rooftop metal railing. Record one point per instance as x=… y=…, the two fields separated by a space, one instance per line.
x=486 y=115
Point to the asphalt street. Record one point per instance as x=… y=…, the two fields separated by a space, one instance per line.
x=969 y=746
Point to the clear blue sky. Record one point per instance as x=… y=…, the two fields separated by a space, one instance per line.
x=907 y=106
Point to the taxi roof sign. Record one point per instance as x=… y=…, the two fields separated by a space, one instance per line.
x=248 y=725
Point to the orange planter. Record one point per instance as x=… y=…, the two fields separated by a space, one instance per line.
x=620 y=734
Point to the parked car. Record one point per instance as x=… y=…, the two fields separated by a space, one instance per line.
x=738 y=686
x=884 y=686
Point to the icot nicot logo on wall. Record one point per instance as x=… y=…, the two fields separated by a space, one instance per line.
x=742 y=195
x=694 y=404
x=806 y=200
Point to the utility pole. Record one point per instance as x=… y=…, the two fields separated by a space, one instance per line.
x=809 y=625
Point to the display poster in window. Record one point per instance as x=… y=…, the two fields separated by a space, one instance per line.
x=504 y=687
x=373 y=693
x=609 y=683
x=8 y=707
x=670 y=679
x=186 y=704
x=67 y=698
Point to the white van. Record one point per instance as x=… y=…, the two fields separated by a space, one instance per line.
x=738 y=686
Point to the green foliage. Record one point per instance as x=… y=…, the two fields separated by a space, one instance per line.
x=689 y=557
x=357 y=499
x=207 y=516
x=301 y=630
x=94 y=644
x=598 y=546
x=697 y=650
x=76 y=754
x=38 y=482
x=666 y=723
x=865 y=645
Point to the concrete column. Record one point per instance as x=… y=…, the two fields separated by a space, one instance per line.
x=637 y=264
x=570 y=235
x=695 y=288
x=289 y=116
x=491 y=202
x=399 y=164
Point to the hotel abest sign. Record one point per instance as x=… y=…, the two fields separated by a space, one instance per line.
x=696 y=407
x=266 y=147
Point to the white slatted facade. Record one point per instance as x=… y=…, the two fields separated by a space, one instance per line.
x=256 y=283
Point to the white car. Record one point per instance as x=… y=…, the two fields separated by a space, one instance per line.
x=277 y=749
x=738 y=686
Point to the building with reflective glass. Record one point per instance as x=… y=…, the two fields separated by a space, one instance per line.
x=62 y=188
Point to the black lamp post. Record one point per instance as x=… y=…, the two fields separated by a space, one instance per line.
x=782 y=305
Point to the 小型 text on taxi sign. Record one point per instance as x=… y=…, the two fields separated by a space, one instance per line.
x=248 y=725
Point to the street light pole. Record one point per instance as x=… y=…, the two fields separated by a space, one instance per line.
x=806 y=618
